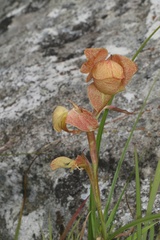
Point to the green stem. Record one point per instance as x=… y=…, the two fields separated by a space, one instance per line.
x=94 y=183
x=101 y=127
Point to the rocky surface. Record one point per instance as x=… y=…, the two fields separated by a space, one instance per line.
x=41 y=49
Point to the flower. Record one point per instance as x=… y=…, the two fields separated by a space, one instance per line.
x=77 y=117
x=62 y=162
x=65 y=162
x=107 y=76
x=110 y=75
x=81 y=162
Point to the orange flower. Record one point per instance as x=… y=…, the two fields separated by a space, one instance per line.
x=65 y=162
x=109 y=76
x=77 y=117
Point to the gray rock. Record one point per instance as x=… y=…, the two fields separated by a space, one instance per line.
x=41 y=49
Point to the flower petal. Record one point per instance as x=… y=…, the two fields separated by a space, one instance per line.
x=62 y=162
x=108 y=86
x=81 y=161
x=82 y=119
x=107 y=69
x=97 y=99
x=96 y=53
x=107 y=76
x=58 y=118
x=129 y=67
x=87 y=66
x=93 y=55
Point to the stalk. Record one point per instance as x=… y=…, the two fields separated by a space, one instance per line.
x=94 y=183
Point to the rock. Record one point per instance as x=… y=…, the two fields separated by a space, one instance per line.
x=41 y=48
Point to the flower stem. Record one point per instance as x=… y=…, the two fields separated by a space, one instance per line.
x=94 y=183
x=93 y=151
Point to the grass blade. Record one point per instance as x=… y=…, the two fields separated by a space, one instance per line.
x=144 y=43
x=43 y=237
x=71 y=234
x=84 y=227
x=112 y=215
x=133 y=224
x=138 y=196
x=50 y=228
x=153 y=192
x=151 y=233
x=144 y=230
x=92 y=217
x=154 y=189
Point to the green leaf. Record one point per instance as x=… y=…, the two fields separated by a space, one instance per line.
x=73 y=230
x=50 y=228
x=154 y=189
x=133 y=224
x=112 y=215
x=138 y=196
x=144 y=230
x=92 y=217
x=153 y=192
x=151 y=233
x=144 y=43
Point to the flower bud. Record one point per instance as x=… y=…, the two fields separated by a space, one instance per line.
x=110 y=76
